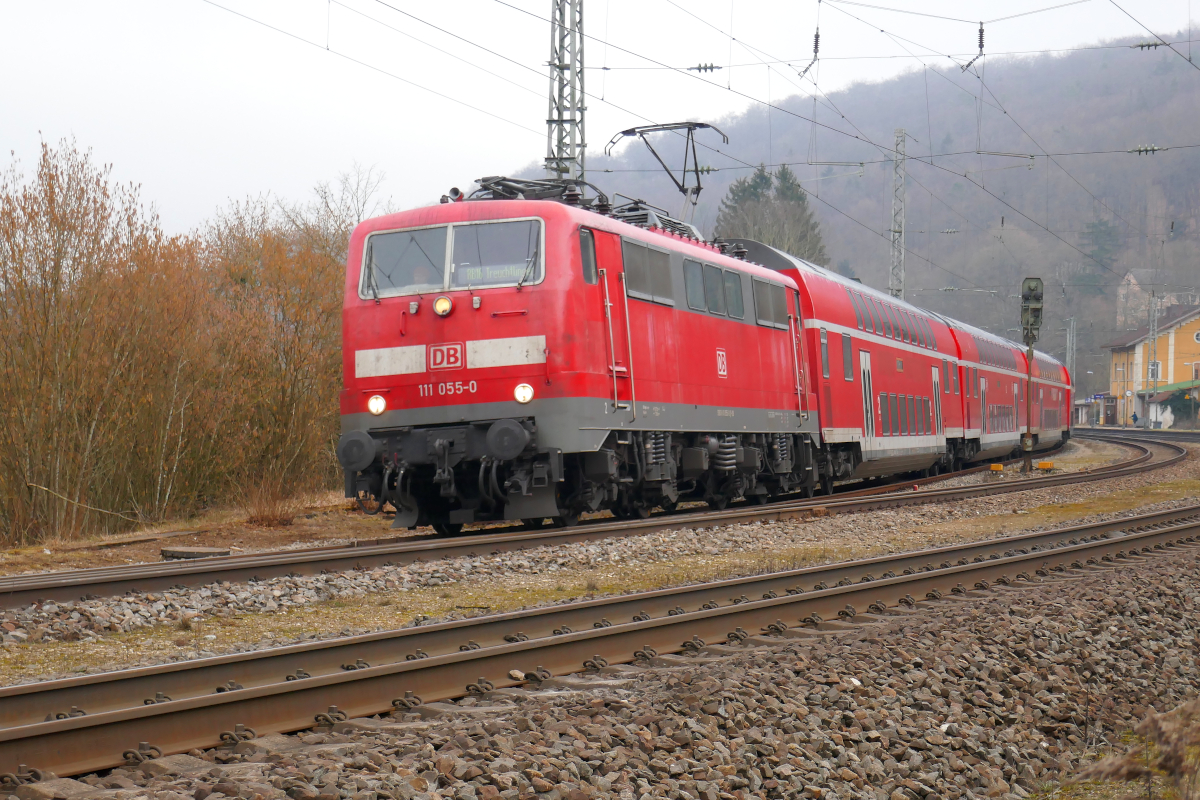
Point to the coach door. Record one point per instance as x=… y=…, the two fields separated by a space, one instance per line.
x=985 y=418
x=937 y=402
x=864 y=368
x=611 y=285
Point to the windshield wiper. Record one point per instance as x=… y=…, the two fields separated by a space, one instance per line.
x=530 y=264
x=371 y=271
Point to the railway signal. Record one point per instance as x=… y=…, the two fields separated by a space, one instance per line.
x=1032 y=292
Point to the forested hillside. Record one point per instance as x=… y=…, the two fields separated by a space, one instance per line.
x=1081 y=218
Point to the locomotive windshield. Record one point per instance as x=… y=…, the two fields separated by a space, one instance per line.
x=460 y=256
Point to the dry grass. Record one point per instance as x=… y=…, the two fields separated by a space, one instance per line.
x=1168 y=748
x=268 y=505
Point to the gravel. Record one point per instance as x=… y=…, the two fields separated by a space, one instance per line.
x=991 y=695
x=824 y=539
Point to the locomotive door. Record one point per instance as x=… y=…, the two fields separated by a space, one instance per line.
x=864 y=367
x=618 y=349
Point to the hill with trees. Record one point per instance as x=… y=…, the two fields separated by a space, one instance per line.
x=1018 y=166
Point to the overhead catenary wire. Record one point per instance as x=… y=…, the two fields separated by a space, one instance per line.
x=1191 y=63
x=894 y=56
x=380 y=70
x=957 y=19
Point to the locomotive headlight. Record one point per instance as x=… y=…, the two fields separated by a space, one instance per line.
x=376 y=404
x=443 y=306
x=523 y=393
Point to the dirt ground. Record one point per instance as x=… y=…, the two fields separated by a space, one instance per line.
x=321 y=520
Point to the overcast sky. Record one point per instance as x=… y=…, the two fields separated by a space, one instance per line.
x=200 y=105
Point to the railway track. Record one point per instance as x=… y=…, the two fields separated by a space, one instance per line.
x=1169 y=435
x=21 y=590
x=89 y=723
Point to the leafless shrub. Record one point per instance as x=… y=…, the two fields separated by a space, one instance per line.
x=145 y=376
x=1169 y=747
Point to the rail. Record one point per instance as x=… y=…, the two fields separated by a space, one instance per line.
x=177 y=707
x=20 y=590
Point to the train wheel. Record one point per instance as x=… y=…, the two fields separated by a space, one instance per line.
x=669 y=506
x=809 y=491
x=758 y=499
x=568 y=520
x=534 y=523
x=718 y=502
x=826 y=485
x=448 y=528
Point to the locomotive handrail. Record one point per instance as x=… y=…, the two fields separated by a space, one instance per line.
x=796 y=365
x=613 y=369
x=629 y=348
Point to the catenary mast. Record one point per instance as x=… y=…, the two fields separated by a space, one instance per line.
x=565 y=131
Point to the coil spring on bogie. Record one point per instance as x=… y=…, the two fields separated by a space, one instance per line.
x=726 y=458
x=782 y=448
x=655 y=445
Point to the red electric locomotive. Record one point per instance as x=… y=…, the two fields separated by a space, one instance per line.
x=524 y=359
x=537 y=355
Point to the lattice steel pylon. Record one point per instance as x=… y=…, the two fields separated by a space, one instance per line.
x=565 y=131
x=896 y=277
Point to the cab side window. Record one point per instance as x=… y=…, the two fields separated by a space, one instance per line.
x=714 y=292
x=587 y=253
x=733 y=295
x=693 y=284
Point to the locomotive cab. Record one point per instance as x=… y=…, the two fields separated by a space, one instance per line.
x=446 y=363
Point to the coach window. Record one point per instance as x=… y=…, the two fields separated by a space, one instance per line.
x=884 y=420
x=897 y=323
x=693 y=284
x=903 y=410
x=895 y=415
x=912 y=416
x=824 y=353
x=862 y=302
x=920 y=331
x=906 y=325
x=975 y=383
x=847 y=367
x=733 y=295
x=954 y=372
x=587 y=256
x=945 y=377
x=887 y=320
x=714 y=293
x=854 y=304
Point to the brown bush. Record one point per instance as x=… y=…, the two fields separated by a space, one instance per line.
x=1169 y=748
x=144 y=376
x=266 y=503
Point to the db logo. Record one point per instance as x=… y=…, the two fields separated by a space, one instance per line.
x=722 y=365
x=446 y=356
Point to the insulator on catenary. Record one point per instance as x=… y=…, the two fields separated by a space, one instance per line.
x=816 y=41
x=981 y=37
